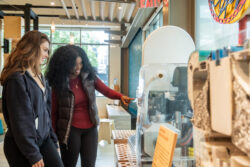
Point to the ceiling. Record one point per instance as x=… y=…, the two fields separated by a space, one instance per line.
x=87 y=12
x=122 y=17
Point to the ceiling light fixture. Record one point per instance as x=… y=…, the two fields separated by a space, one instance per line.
x=119 y=7
x=52 y=3
x=53 y=27
x=71 y=39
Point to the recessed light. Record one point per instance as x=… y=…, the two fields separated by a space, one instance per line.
x=52 y=3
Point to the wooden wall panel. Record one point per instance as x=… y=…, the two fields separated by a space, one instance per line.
x=12 y=31
x=165 y=13
x=181 y=13
x=124 y=70
x=12 y=27
x=1 y=44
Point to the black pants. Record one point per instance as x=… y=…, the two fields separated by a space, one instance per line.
x=15 y=158
x=83 y=141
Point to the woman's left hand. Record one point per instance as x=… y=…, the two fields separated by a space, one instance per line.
x=126 y=100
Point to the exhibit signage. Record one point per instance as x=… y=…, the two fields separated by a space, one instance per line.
x=165 y=145
x=152 y=3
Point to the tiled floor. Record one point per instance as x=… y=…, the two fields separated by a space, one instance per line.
x=3 y=161
x=1 y=138
x=105 y=155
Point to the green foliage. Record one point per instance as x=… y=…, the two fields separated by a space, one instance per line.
x=47 y=32
x=54 y=47
x=91 y=54
x=62 y=37
x=88 y=37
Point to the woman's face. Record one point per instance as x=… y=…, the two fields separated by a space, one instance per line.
x=44 y=54
x=77 y=69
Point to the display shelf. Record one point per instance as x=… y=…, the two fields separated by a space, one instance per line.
x=126 y=164
x=121 y=136
x=124 y=153
x=120 y=116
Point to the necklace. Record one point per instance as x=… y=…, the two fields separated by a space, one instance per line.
x=76 y=85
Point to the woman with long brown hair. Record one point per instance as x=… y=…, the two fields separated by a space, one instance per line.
x=26 y=99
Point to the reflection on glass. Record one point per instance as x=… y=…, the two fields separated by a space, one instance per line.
x=97 y=37
x=163 y=101
x=209 y=32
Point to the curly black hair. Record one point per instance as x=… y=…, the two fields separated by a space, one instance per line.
x=63 y=62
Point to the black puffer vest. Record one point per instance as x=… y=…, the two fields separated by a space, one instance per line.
x=65 y=108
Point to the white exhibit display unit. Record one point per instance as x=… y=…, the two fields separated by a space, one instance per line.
x=162 y=93
x=168 y=44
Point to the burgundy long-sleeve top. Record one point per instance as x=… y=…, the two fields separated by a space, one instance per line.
x=81 y=117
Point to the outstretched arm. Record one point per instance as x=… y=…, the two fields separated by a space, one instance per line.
x=106 y=91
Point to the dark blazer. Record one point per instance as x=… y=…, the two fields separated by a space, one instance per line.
x=26 y=110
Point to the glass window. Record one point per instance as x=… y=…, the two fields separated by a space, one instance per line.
x=156 y=23
x=98 y=56
x=61 y=36
x=45 y=31
x=96 y=37
x=76 y=35
x=54 y=47
x=92 y=41
x=211 y=34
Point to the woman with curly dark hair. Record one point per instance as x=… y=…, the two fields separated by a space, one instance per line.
x=26 y=100
x=74 y=110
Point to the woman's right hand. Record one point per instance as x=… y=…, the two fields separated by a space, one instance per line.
x=38 y=164
x=126 y=100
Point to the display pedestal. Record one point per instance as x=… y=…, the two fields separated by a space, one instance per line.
x=120 y=116
x=105 y=129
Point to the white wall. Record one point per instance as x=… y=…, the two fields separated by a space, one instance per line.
x=115 y=72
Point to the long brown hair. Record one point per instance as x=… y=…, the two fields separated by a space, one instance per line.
x=25 y=55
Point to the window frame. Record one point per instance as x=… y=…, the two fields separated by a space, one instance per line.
x=80 y=29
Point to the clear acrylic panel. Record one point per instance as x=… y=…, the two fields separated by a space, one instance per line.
x=162 y=100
